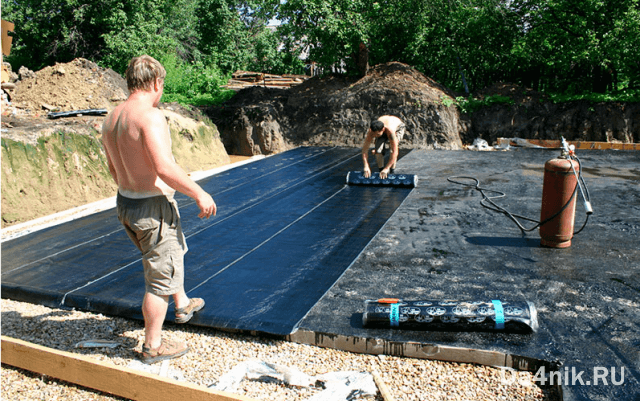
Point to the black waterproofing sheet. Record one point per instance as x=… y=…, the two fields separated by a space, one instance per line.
x=287 y=227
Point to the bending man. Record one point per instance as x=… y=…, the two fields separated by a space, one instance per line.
x=137 y=142
x=386 y=129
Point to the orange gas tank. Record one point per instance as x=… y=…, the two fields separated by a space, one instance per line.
x=558 y=188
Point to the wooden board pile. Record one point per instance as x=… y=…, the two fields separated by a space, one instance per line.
x=243 y=79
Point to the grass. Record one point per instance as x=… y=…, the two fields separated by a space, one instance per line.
x=204 y=99
x=628 y=96
x=470 y=104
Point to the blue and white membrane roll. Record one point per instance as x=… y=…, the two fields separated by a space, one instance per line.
x=496 y=315
x=392 y=180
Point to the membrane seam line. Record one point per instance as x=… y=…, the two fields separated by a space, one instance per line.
x=191 y=202
x=249 y=207
x=121 y=229
x=281 y=168
x=64 y=297
x=267 y=198
x=270 y=238
x=62 y=251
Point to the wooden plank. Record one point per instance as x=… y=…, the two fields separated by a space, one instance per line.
x=250 y=78
x=88 y=372
x=297 y=76
x=583 y=145
x=384 y=390
x=606 y=145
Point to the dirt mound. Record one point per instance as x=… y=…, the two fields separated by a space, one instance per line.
x=336 y=111
x=402 y=77
x=77 y=85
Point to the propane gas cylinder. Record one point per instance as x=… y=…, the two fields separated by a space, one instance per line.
x=558 y=188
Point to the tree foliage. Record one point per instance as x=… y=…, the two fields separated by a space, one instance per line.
x=569 y=46
x=588 y=42
x=54 y=30
x=566 y=45
x=330 y=31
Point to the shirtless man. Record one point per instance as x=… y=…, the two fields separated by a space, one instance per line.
x=137 y=142
x=385 y=129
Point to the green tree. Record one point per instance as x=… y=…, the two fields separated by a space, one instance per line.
x=331 y=31
x=224 y=38
x=106 y=31
x=585 y=43
x=153 y=27
x=571 y=46
x=440 y=38
x=234 y=36
x=47 y=31
x=273 y=56
x=627 y=50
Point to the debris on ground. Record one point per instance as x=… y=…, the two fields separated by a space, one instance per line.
x=335 y=386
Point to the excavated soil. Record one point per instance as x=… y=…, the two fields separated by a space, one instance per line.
x=51 y=165
x=77 y=85
x=337 y=111
x=322 y=111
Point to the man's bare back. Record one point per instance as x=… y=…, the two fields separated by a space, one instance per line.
x=124 y=132
x=391 y=123
x=384 y=126
x=137 y=142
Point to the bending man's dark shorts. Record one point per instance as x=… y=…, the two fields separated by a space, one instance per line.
x=153 y=224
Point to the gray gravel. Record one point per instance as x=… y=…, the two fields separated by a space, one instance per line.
x=214 y=353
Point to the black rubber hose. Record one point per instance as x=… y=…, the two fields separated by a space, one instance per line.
x=496 y=208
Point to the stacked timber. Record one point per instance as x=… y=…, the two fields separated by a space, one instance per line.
x=243 y=79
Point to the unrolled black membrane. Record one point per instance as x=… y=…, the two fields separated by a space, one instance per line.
x=434 y=315
x=295 y=201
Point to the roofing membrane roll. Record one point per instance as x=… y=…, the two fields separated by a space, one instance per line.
x=392 y=180
x=496 y=315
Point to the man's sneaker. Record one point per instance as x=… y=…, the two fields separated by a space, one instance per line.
x=166 y=350
x=183 y=315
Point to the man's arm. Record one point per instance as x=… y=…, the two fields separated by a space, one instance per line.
x=365 y=154
x=393 y=157
x=157 y=144
x=105 y=135
x=112 y=169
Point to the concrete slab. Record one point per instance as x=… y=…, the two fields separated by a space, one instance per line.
x=442 y=244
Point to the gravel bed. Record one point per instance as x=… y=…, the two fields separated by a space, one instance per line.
x=214 y=353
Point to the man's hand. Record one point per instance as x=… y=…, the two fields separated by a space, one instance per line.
x=207 y=206
x=384 y=173
x=367 y=172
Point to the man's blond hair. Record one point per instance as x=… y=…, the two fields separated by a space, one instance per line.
x=142 y=73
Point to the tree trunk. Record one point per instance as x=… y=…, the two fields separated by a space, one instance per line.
x=363 y=59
